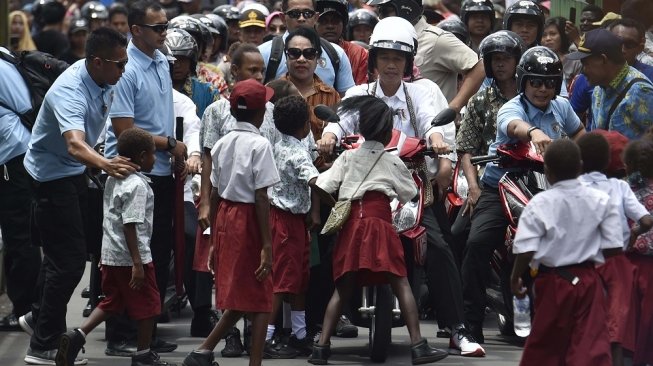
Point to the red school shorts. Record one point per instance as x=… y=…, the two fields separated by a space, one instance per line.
x=140 y=304
x=290 y=252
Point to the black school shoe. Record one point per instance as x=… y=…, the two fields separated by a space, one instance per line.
x=158 y=345
x=422 y=353
x=9 y=323
x=320 y=355
x=345 y=329
x=120 y=349
x=70 y=344
x=304 y=346
x=199 y=359
x=149 y=359
x=233 y=346
x=278 y=351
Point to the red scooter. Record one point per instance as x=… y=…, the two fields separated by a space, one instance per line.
x=375 y=307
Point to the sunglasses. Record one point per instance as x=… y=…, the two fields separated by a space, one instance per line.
x=120 y=64
x=296 y=14
x=158 y=28
x=296 y=53
x=538 y=82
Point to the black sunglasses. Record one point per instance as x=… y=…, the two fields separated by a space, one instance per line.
x=120 y=64
x=158 y=28
x=538 y=82
x=296 y=53
x=296 y=14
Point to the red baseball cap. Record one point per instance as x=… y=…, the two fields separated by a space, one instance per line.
x=617 y=144
x=250 y=94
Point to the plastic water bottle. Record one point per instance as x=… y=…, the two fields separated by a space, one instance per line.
x=522 y=318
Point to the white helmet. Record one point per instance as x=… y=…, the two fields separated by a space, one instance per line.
x=394 y=33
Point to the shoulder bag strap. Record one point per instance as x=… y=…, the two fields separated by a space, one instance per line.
x=368 y=173
x=411 y=112
x=620 y=97
x=276 y=53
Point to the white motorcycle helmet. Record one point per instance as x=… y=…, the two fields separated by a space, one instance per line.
x=393 y=33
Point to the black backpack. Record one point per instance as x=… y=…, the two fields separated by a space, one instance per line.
x=39 y=70
x=276 y=53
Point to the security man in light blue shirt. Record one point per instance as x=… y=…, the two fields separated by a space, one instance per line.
x=301 y=13
x=535 y=115
x=69 y=123
x=143 y=99
x=21 y=257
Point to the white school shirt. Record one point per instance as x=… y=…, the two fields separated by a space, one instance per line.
x=242 y=163
x=621 y=195
x=184 y=107
x=568 y=224
x=389 y=176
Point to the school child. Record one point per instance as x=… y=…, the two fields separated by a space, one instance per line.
x=563 y=232
x=243 y=169
x=617 y=274
x=368 y=249
x=128 y=279
x=294 y=212
x=637 y=158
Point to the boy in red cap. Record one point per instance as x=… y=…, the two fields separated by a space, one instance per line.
x=243 y=169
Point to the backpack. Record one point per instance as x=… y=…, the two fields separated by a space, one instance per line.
x=39 y=70
x=276 y=53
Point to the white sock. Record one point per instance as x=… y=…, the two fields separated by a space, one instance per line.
x=141 y=352
x=270 y=332
x=298 y=319
x=81 y=332
x=202 y=351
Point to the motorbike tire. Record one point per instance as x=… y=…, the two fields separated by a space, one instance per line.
x=381 y=323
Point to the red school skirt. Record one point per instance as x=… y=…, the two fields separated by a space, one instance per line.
x=237 y=255
x=618 y=276
x=368 y=243
x=290 y=252
x=644 y=308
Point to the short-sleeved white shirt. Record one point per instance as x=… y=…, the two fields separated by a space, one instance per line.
x=242 y=163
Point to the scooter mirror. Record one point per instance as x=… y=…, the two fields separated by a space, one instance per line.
x=325 y=113
x=445 y=116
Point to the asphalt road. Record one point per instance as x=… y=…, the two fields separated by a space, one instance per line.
x=500 y=351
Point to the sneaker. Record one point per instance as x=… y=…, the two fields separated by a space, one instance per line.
x=303 y=346
x=70 y=344
x=158 y=345
x=278 y=351
x=345 y=329
x=36 y=357
x=26 y=322
x=233 y=346
x=199 y=359
x=149 y=359
x=463 y=343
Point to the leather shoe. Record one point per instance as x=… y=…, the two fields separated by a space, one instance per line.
x=88 y=309
x=120 y=349
x=233 y=346
x=423 y=353
x=158 y=345
x=9 y=323
x=320 y=355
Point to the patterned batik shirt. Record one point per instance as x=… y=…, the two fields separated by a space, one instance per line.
x=634 y=114
x=296 y=169
x=478 y=128
x=644 y=243
x=126 y=201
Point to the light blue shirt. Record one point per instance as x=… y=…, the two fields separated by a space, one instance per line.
x=74 y=102
x=14 y=136
x=557 y=121
x=324 y=69
x=144 y=93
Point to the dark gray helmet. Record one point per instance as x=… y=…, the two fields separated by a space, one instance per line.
x=223 y=29
x=411 y=10
x=477 y=6
x=502 y=41
x=456 y=27
x=195 y=28
x=227 y=12
x=208 y=23
x=340 y=6
x=358 y=17
x=181 y=43
x=94 y=10
x=525 y=8
x=539 y=61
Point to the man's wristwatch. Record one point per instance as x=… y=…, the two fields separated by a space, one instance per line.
x=530 y=131
x=172 y=143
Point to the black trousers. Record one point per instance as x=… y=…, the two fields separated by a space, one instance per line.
x=487 y=233
x=442 y=274
x=198 y=285
x=22 y=257
x=60 y=211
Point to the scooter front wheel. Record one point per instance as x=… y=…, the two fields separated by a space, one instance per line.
x=381 y=322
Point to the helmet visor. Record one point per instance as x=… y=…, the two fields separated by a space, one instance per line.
x=393 y=45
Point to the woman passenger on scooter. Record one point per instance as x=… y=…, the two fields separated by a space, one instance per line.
x=535 y=115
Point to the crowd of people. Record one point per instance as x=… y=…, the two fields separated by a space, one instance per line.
x=184 y=135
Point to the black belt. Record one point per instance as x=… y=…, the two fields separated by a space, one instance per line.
x=563 y=271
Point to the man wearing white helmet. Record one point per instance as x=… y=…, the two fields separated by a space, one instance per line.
x=392 y=50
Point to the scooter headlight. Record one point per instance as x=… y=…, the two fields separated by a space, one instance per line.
x=405 y=217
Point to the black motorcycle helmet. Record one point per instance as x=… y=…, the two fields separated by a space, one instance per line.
x=358 y=17
x=539 y=61
x=227 y=12
x=94 y=10
x=456 y=27
x=195 y=28
x=477 y=6
x=411 y=10
x=48 y=12
x=500 y=41
x=223 y=29
x=340 y=6
x=208 y=23
x=525 y=8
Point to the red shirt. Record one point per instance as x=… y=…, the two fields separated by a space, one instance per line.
x=358 y=58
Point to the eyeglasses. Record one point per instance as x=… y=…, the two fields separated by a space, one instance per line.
x=158 y=28
x=296 y=53
x=296 y=14
x=538 y=82
x=120 y=64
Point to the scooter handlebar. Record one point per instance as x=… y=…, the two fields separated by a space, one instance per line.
x=476 y=160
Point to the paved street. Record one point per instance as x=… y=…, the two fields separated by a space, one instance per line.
x=500 y=351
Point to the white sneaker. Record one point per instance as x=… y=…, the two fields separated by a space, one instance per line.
x=462 y=343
